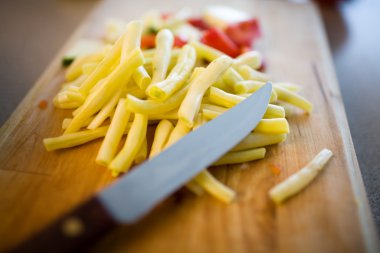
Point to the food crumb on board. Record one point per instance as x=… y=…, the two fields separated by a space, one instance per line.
x=275 y=169
x=42 y=104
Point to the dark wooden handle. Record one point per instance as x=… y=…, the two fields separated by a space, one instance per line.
x=74 y=232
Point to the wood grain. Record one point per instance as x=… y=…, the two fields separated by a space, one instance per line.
x=332 y=215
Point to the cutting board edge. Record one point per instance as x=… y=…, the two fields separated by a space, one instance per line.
x=366 y=219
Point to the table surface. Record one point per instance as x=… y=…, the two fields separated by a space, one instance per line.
x=27 y=46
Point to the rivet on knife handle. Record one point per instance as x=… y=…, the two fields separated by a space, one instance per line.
x=73 y=232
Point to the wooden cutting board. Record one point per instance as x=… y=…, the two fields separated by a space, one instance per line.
x=332 y=215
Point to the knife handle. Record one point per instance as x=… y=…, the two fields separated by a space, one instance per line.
x=73 y=232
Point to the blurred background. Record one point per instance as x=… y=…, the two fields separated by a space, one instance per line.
x=27 y=46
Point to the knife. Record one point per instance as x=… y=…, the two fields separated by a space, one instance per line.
x=131 y=198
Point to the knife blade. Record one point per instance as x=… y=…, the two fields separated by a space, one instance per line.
x=131 y=197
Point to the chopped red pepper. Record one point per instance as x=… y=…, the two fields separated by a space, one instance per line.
x=166 y=15
x=216 y=38
x=148 y=41
x=245 y=49
x=244 y=33
x=198 y=23
x=178 y=42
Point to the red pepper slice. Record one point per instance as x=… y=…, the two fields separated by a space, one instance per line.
x=216 y=38
x=178 y=42
x=244 y=33
x=198 y=23
x=245 y=49
x=166 y=15
x=148 y=41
